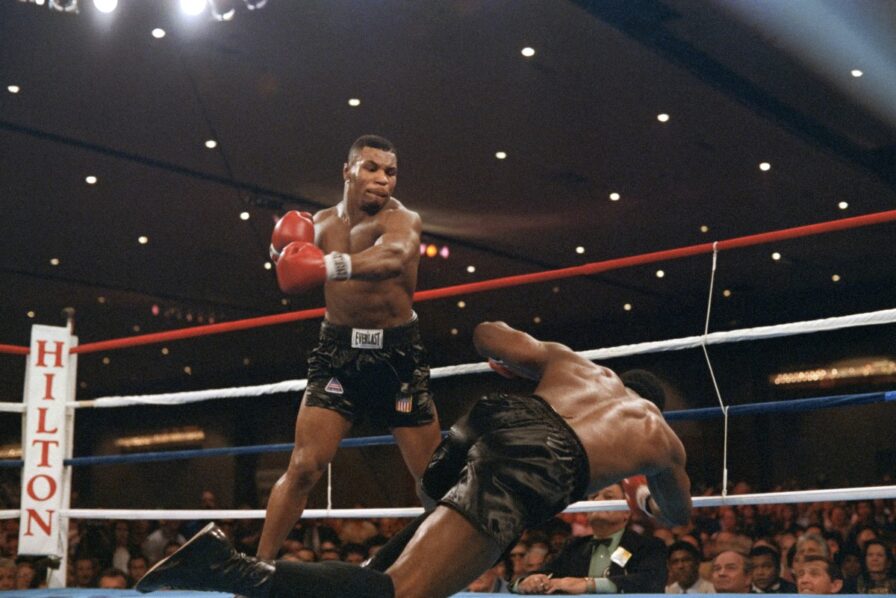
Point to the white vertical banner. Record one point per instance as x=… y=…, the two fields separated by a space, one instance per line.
x=44 y=440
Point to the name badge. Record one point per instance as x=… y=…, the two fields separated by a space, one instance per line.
x=620 y=556
x=367 y=338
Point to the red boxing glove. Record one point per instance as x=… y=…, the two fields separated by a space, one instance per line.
x=303 y=266
x=637 y=494
x=294 y=226
x=501 y=369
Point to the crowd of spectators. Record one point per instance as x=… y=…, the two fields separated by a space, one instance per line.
x=839 y=547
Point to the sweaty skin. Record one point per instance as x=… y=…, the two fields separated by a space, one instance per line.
x=623 y=434
x=383 y=240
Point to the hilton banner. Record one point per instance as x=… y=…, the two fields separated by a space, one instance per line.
x=47 y=388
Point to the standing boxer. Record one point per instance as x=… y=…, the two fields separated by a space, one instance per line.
x=512 y=463
x=370 y=360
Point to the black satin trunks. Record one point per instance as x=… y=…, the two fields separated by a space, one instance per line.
x=384 y=377
x=512 y=463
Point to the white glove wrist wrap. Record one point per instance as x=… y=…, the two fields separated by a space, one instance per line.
x=275 y=255
x=339 y=266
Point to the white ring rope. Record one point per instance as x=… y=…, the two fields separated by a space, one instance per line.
x=875 y=318
x=585 y=506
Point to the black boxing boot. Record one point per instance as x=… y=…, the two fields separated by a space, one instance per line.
x=208 y=562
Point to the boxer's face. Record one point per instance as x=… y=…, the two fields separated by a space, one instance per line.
x=370 y=178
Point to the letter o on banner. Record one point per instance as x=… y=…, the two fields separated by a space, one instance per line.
x=50 y=487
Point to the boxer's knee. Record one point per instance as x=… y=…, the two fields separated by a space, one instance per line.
x=305 y=468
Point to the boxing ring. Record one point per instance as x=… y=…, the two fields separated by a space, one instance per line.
x=34 y=420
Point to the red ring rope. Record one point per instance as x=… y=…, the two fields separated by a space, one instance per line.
x=495 y=283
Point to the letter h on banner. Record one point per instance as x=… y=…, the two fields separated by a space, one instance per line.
x=49 y=385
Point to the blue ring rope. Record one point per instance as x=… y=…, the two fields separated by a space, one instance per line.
x=794 y=406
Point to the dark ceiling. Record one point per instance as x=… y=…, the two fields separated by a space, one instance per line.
x=742 y=83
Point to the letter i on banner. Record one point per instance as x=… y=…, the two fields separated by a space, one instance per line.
x=43 y=446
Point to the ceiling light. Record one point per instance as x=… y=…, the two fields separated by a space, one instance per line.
x=704 y=228
x=244 y=215
x=106 y=361
x=500 y=155
x=13 y=88
x=528 y=52
x=136 y=327
x=835 y=278
x=776 y=256
x=255 y=4
x=211 y=144
x=537 y=319
x=30 y=314
x=267 y=265
x=354 y=102
x=461 y=304
x=101 y=299
x=471 y=269
x=63 y=5
x=192 y=7
x=627 y=307
x=614 y=196
x=660 y=273
x=842 y=205
x=158 y=33
x=90 y=180
x=431 y=250
x=662 y=117
x=856 y=73
x=454 y=332
x=580 y=250
x=188 y=370
x=764 y=166
x=445 y=251
x=246 y=361
x=143 y=239
x=223 y=10
x=284 y=302
x=555 y=290
x=165 y=351
x=105 y=6
x=726 y=293
x=54 y=261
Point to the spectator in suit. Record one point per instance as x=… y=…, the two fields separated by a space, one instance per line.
x=612 y=560
x=816 y=575
x=767 y=572
x=684 y=570
x=732 y=572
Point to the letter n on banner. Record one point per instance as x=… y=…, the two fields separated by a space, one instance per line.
x=43 y=446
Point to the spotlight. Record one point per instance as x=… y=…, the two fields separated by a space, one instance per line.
x=192 y=7
x=255 y=4
x=223 y=10
x=64 y=5
x=105 y=6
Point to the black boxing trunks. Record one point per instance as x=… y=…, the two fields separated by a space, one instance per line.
x=382 y=374
x=511 y=464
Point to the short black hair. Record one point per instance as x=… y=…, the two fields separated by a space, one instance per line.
x=647 y=385
x=374 y=141
x=768 y=551
x=687 y=547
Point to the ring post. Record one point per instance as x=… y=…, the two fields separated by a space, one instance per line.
x=49 y=385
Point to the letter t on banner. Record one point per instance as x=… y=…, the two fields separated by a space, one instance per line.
x=47 y=389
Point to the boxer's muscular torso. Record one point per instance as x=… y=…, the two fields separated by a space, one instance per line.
x=370 y=303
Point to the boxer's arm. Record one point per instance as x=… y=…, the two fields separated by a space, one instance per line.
x=392 y=251
x=669 y=490
x=670 y=493
x=515 y=350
